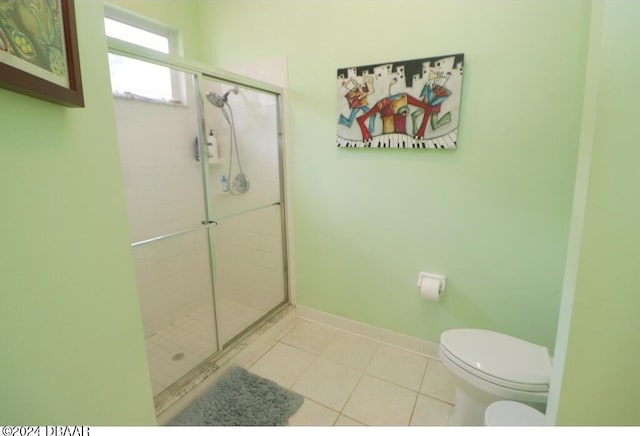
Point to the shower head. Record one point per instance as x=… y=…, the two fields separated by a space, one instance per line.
x=215 y=99
x=219 y=101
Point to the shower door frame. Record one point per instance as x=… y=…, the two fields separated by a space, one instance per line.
x=202 y=72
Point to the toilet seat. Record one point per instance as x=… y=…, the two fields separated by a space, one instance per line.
x=505 y=362
x=509 y=384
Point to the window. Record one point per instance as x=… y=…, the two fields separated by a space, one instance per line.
x=136 y=35
x=138 y=79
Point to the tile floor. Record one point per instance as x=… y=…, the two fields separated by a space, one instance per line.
x=350 y=380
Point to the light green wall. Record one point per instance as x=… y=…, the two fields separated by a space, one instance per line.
x=492 y=215
x=182 y=15
x=72 y=343
x=600 y=382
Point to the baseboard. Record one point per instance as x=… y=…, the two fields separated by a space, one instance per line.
x=371 y=332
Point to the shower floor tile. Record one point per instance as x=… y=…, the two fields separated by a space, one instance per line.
x=187 y=341
x=175 y=350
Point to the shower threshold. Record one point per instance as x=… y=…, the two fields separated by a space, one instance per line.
x=203 y=375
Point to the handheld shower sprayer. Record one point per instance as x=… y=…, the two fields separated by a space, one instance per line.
x=240 y=183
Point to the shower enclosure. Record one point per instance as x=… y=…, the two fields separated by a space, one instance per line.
x=207 y=228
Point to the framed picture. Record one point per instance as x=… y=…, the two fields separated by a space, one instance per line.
x=39 y=50
x=401 y=104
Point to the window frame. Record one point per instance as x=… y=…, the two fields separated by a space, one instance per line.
x=174 y=38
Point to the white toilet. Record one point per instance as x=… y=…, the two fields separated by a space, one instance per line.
x=490 y=366
x=512 y=414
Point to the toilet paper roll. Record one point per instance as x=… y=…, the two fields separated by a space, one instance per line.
x=431 y=288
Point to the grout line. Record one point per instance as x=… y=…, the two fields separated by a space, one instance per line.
x=413 y=409
x=424 y=374
x=322 y=404
x=262 y=354
x=437 y=399
x=299 y=348
x=429 y=395
x=296 y=346
x=373 y=355
x=303 y=372
x=353 y=419
x=352 y=391
x=393 y=383
x=336 y=420
x=285 y=333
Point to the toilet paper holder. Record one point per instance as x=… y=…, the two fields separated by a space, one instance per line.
x=440 y=277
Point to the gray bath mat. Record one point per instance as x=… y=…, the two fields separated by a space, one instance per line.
x=243 y=399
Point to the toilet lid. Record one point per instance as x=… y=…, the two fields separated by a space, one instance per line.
x=501 y=356
x=511 y=413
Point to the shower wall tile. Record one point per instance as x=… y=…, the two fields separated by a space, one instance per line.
x=162 y=178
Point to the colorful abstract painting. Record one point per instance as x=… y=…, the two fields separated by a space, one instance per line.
x=403 y=104
x=32 y=38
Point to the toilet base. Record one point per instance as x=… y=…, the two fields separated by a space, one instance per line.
x=470 y=406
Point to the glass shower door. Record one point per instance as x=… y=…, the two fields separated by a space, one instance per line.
x=170 y=234
x=249 y=246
